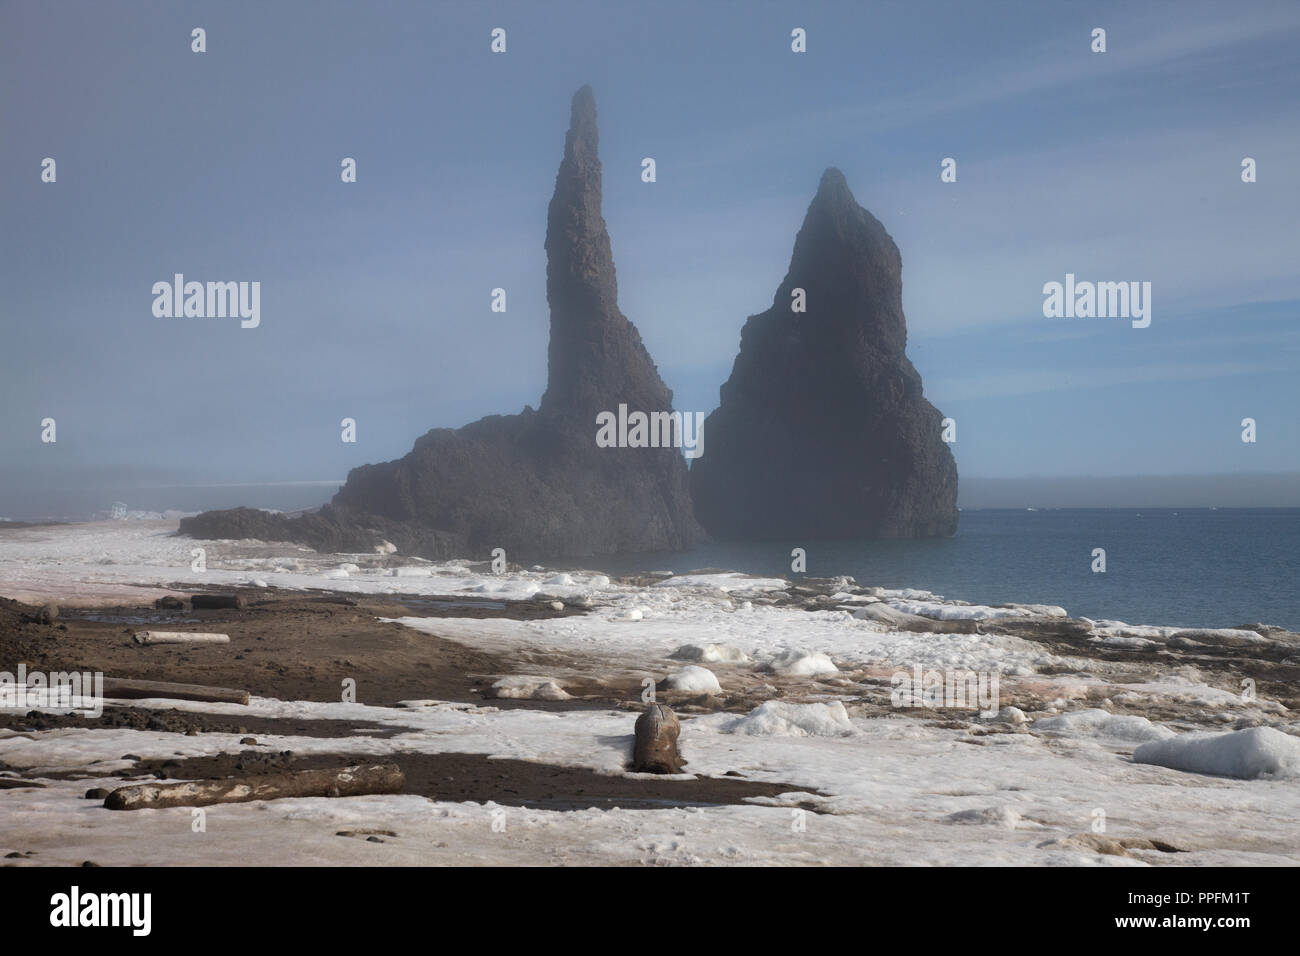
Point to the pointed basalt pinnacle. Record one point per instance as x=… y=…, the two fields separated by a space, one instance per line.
x=834 y=188
x=834 y=204
x=579 y=264
x=582 y=116
x=595 y=358
x=823 y=430
x=844 y=255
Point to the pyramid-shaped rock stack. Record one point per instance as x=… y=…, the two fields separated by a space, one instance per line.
x=823 y=430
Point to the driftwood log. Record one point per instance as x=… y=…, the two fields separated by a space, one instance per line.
x=123 y=689
x=344 y=782
x=180 y=637
x=217 y=601
x=655 y=749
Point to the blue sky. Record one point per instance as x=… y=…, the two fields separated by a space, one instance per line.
x=375 y=295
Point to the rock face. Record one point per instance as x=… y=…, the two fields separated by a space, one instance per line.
x=535 y=484
x=823 y=431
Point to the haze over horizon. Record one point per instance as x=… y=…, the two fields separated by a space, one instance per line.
x=1246 y=490
x=376 y=295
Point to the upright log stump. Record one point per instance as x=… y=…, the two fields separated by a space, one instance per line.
x=655 y=750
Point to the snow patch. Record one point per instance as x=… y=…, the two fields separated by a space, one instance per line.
x=1005 y=818
x=724 y=581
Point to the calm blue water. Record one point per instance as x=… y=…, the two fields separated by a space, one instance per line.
x=1186 y=567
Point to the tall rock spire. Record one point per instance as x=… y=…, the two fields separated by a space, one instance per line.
x=536 y=484
x=823 y=430
x=595 y=358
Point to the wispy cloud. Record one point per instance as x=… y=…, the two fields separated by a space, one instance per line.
x=1002 y=383
x=1143 y=41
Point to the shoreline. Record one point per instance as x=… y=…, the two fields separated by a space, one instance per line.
x=503 y=706
x=627 y=567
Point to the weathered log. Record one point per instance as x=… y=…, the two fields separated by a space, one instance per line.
x=218 y=601
x=655 y=749
x=124 y=689
x=345 y=782
x=180 y=637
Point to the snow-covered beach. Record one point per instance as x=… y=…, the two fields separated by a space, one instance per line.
x=1106 y=743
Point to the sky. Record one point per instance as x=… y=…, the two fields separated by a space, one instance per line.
x=375 y=302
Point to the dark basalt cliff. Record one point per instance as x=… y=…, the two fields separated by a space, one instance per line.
x=535 y=483
x=823 y=430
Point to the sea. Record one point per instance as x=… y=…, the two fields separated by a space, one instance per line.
x=1181 y=567
x=1187 y=567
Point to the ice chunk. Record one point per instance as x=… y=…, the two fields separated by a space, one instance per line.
x=960 y=612
x=520 y=687
x=776 y=718
x=724 y=581
x=1101 y=723
x=796 y=663
x=1244 y=753
x=1130 y=643
x=692 y=678
x=1012 y=715
x=709 y=653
